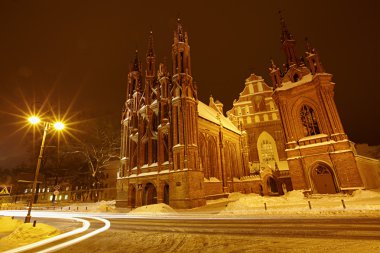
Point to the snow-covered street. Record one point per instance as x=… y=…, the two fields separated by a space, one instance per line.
x=239 y=223
x=262 y=235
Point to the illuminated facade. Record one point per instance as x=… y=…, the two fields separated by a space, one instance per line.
x=319 y=154
x=177 y=150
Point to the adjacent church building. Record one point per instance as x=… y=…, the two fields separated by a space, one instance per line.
x=180 y=151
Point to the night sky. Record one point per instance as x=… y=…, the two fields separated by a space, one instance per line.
x=78 y=53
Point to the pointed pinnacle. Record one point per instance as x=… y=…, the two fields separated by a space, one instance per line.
x=150 y=51
x=136 y=64
x=180 y=30
x=285 y=34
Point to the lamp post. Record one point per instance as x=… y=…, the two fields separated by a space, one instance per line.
x=58 y=126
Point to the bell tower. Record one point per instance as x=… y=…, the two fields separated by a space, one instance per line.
x=149 y=118
x=130 y=121
x=184 y=115
x=184 y=105
x=319 y=154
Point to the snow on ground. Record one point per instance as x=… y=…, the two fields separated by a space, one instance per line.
x=101 y=206
x=294 y=203
x=178 y=241
x=25 y=233
x=7 y=224
x=361 y=202
x=156 y=209
x=231 y=197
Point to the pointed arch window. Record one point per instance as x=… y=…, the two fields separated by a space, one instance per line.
x=267 y=151
x=309 y=121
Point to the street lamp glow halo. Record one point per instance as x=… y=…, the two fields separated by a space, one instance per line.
x=34 y=120
x=58 y=126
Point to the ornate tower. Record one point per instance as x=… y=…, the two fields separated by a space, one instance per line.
x=184 y=115
x=164 y=115
x=319 y=153
x=130 y=121
x=148 y=113
x=288 y=43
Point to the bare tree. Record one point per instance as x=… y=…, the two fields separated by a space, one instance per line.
x=98 y=149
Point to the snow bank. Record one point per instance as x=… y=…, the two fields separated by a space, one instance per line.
x=7 y=224
x=26 y=234
x=156 y=209
x=105 y=206
x=290 y=196
x=237 y=195
x=366 y=194
x=216 y=201
x=295 y=203
x=294 y=195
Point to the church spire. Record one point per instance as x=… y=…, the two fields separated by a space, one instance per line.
x=134 y=76
x=275 y=74
x=313 y=59
x=150 y=58
x=150 y=52
x=288 y=43
x=181 y=51
x=136 y=62
x=179 y=33
x=285 y=34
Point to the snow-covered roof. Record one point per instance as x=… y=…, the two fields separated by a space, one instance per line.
x=210 y=114
x=288 y=85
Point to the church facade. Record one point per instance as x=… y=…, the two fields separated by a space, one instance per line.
x=177 y=150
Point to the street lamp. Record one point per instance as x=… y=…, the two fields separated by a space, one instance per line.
x=34 y=120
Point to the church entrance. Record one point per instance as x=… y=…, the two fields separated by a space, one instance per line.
x=150 y=195
x=166 y=194
x=323 y=179
x=132 y=196
x=272 y=185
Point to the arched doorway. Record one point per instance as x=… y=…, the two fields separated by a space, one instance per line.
x=323 y=179
x=166 y=194
x=132 y=196
x=272 y=185
x=267 y=149
x=150 y=194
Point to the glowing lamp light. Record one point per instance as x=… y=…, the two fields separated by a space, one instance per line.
x=34 y=120
x=59 y=125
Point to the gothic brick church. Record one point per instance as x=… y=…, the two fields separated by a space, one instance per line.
x=177 y=150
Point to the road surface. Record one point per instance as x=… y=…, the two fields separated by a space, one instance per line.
x=192 y=234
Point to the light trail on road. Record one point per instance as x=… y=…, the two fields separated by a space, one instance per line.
x=209 y=229
x=142 y=233
x=59 y=215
